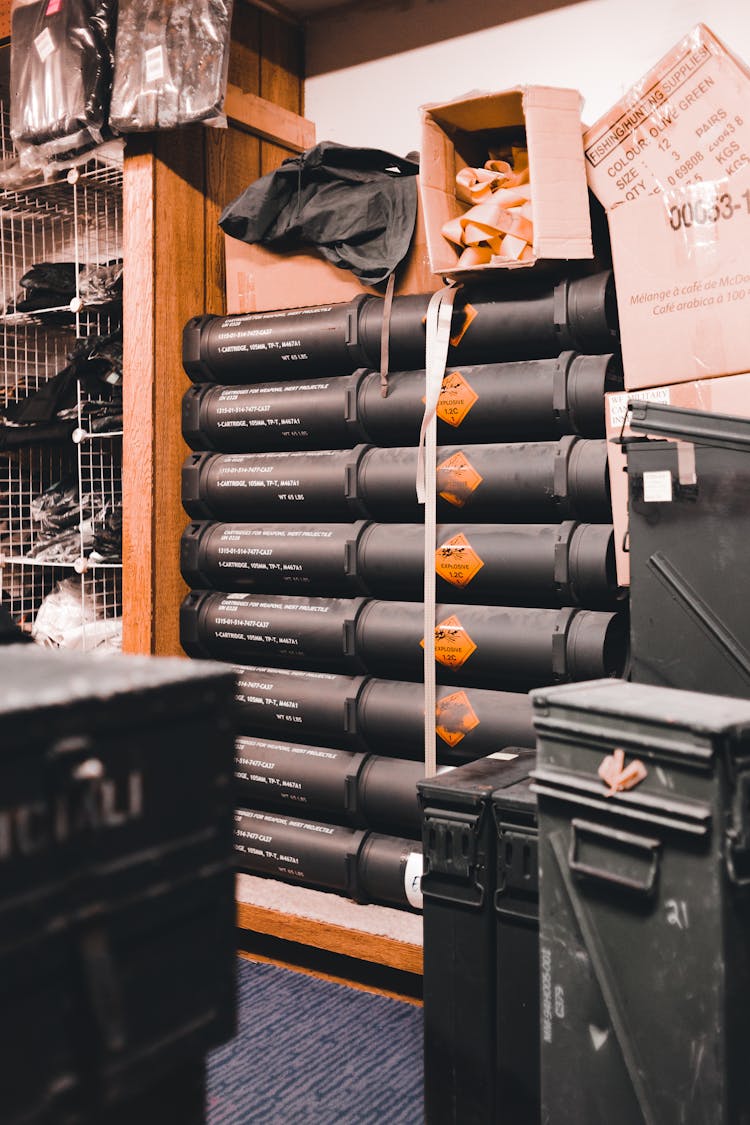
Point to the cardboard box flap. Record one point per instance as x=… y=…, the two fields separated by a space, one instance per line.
x=479 y=111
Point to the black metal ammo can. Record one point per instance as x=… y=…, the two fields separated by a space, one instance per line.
x=644 y=846
x=690 y=625
x=461 y=970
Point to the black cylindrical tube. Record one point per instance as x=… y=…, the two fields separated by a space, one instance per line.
x=525 y=482
x=293 y=343
x=390 y=870
x=311 y=414
x=533 y=319
x=381 y=716
x=502 y=647
x=530 y=318
x=273 y=557
x=313 y=633
x=362 y=865
x=319 y=708
x=471 y=722
x=498 y=646
x=533 y=400
x=510 y=564
x=361 y=790
x=293 y=486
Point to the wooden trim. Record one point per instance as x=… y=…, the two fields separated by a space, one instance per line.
x=259 y=957
x=138 y=398
x=336 y=939
x=268 y=121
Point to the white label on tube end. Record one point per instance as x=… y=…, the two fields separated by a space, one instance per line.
x=413 y=879
x=657 y=486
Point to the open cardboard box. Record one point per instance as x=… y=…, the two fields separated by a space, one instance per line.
x=728 y=395
x=458 y=134
x=259 y=279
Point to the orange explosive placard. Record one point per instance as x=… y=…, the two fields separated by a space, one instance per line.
x=457 y=479
x=457 y=397
x=453 y=645
x=456 y=561
x=455 y=717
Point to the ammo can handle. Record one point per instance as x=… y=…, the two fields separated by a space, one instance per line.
x=582 y=830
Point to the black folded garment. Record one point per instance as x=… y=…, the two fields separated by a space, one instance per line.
x=358 y=206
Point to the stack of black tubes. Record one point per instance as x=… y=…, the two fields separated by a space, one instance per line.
x=305 y=554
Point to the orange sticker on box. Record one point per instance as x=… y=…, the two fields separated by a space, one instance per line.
x=456 y=561
x=457 y=397
x=457 y=479
x=453 y=645
x=455 y=717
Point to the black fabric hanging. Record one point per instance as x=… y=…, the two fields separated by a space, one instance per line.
x=358 y=206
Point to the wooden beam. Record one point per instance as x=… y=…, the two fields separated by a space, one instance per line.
x=268 y=121
x=336 y=939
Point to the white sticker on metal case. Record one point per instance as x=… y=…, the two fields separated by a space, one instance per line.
x=413 y=879
x=657 y=487
x=45 y=44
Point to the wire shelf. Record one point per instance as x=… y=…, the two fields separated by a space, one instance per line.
x=61 y=500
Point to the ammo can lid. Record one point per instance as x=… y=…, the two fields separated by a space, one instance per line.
x=474 y=782
x=93 y=689
x=519 y=797
x=667 y=709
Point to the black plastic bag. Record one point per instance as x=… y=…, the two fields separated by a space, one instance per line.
x=358 y=206
x=61 y=76
x=171 y=62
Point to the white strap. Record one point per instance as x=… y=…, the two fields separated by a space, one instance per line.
x=439 y=316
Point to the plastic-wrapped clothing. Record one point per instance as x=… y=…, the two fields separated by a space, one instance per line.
x=66 y=619
x=61 y=60
x=171 y=61
x=101 y=285
x=358 y=206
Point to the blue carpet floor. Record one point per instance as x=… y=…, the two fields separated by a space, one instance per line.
x=312 y=1051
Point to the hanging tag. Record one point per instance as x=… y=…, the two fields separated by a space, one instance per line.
x=44 y=44
x=154 y=62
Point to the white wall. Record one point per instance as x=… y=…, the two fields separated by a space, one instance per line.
x=600 y=47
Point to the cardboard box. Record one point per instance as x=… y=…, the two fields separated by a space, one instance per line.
x=259 y=279
x=457 y=135
x=687 y=120
x=728 y=395
x=682 y=272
